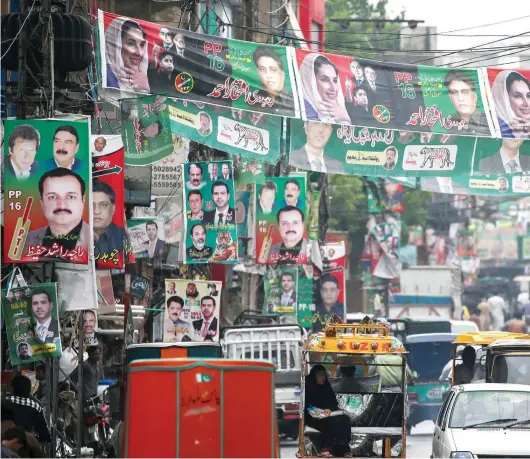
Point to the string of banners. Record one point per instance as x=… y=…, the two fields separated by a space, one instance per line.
x=142 y=57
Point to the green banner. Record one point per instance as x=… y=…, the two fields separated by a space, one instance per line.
x=249 y=171
x=281 y=290
x=32 y=323
x=480 y=185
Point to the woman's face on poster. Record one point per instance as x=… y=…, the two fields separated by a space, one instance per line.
x=519 y=96
x=133 y=48
x=327 y=83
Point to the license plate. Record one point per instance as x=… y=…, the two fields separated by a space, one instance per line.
x=93 y=429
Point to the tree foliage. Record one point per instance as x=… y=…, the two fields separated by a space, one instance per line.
x=360 y=39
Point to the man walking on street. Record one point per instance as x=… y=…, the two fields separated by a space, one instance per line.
x=498 y=308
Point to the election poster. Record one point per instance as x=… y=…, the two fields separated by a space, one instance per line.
x=211 y=226
x=47 y=183
x=392 y=197
x=242 y=220
x=330 y=294
x=192 y=66
x=191 y=310
x=281 y=290
x=479 y=185
x=356 y=150
x=281 y=235
x=32 y=323
x=146 y=132
x=249 y=171
x=508 y=95
x=306 y=295
x=108 y=209
x=361 y=92
x=147 y=237
x=165 y=173
x=76 y=288
x=501 y=157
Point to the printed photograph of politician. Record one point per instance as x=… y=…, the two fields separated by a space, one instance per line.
x=281 y=289
x=46 y=184
x=499 y=157
x=147 y=237
x=32 y=322
x=192 y=310
x=281 y=235
x=211 y=229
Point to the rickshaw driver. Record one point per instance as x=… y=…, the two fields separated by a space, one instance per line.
x=465 y=371
x=347 y=382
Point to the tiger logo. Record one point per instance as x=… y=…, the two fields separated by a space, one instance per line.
x=225 y=247
x=248 y=134
x=443 y=155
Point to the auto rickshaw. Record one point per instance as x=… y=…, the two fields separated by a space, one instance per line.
x=508 y=361
x=376 y=414
x=479 y=341
x=200 y=408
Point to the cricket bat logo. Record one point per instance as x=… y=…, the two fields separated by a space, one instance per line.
x=266 y=247
x=21 y=233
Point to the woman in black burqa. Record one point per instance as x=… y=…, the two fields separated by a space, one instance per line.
x=335 y=430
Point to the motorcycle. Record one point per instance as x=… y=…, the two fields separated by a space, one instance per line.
x=96 y=424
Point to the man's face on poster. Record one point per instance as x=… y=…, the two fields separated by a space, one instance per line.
x=198 y=236
x=23 y=153
x=173 y=311
x=166 y=37
x=503 y=185
x=65 y=147
x=267 y=197
x=291 y=227
x=89 y=321
x=271 y=75
x=19 y=295
x=41 y=306
x=191 y=289
x=214 y=170
x=287 y=282
x=512 y=144
x=179 y=42
x=152 y=231
x=195 y=202
x=99 y=144
x=172 y=286
x=220 y=196
x=357 y=70
x=462 y=97
x=390 y=156
x=166 y=63
x=23 y=350
x=103 y=210
x=370 y=74
x=318 y=134
x=10 y=296
x=207 y=308
x=62 y=202
x=205 y=122
x=195 y=175
x=292 y=192
x=391 y=189
x=226 y=170
x=361 y=98
x=329 y=293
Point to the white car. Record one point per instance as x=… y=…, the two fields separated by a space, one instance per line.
x=463 y=326
x=484 y=421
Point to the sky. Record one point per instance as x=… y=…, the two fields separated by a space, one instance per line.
x=458 y=14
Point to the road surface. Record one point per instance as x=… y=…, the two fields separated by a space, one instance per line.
x=418 y=444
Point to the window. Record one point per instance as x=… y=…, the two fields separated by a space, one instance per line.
x=445 y=410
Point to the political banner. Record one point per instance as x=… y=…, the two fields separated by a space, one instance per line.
x=362 y=92
x=355 y=150
x=105 y=291
x=108 y=200
x=90 y=326
x=253 y=135
x=170 y=209
x=192 y=310
x=211 y=226
x=165 y=173
x=392 y=197
x=249 y=171
x=498 y=244
x=479 y=185
x=147 y=237
x=306 y=296
x=242 y=220
x=501 y=157
x=146 y=131
x=47 y=182
x=509 y=93
x=331 y=286
x=144 y=57
x=32 y=323
x=281 y=290
x=281 y=235
x=76 y=289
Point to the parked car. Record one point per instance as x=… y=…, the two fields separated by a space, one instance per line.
x=483 y=421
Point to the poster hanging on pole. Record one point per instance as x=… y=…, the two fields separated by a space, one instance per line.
x=192 y=310
x=32 y=323
x=47 y=183
x=281 y=290
x=108 y=200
